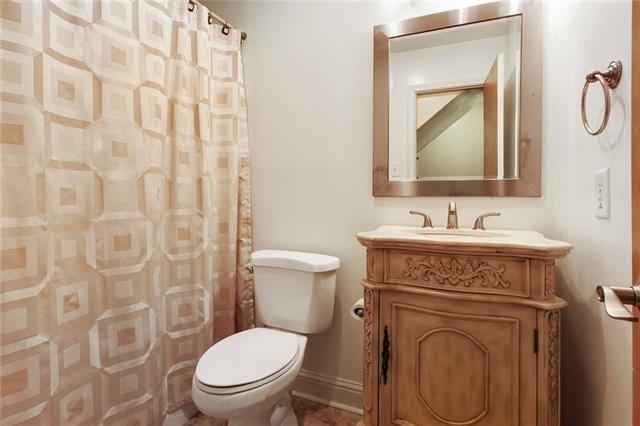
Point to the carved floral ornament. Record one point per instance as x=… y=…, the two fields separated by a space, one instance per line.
x=553 y=360
x=370 y=265
x=550 y=278
x=453 y=272
x=368 y=347
x=368 y=329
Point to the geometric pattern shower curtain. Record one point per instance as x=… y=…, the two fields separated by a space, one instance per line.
x=125 y=209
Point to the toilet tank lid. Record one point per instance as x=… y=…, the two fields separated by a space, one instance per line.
x=300 y=261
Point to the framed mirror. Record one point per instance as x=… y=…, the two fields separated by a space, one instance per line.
x=457 y=108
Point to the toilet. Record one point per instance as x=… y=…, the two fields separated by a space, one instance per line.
x=246 y=377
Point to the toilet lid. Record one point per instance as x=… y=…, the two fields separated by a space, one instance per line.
x=246 y=357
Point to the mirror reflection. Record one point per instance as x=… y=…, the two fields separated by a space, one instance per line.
x=453 y=103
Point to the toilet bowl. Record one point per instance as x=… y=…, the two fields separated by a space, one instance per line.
x=247 y=377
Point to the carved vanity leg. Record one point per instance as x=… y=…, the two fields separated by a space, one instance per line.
x=370 y=364
x=549 y=368
x=375 y=273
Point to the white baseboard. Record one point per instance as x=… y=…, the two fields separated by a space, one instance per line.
x=333 y=391
x=181 y=415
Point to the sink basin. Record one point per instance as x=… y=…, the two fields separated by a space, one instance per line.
x=456 y=232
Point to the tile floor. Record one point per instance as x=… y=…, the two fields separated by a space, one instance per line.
x=309 y=414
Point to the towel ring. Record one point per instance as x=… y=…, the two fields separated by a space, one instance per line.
x=608 y=79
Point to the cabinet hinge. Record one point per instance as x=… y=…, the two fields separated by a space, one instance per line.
x=535 y=340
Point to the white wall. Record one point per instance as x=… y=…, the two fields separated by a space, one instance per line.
x=308 y=68
x=596 y=349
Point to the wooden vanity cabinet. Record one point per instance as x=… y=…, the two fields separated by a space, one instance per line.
x=460 y=336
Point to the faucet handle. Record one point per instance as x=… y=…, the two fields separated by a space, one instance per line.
x=479 y=223
x=426 y=220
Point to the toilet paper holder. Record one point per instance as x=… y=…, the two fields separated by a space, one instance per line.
x=357 y=310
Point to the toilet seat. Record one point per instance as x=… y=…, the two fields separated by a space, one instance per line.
x=246 y=360
x=215 y=390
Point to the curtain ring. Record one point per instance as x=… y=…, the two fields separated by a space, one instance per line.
x=607 y=103
x=608 y=79
x=225 y=29
x=210 y=19
x=192 y=5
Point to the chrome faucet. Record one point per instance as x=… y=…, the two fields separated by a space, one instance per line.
x=452 y=216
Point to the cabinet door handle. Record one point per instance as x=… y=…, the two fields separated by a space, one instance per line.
x=386 y=343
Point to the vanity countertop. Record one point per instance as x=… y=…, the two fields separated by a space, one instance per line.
x=512 y=242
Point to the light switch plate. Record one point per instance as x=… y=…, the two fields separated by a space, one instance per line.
x=602 y=195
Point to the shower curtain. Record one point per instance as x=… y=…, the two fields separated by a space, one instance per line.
x=125 y=214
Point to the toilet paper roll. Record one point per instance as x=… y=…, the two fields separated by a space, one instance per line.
x=357 y=309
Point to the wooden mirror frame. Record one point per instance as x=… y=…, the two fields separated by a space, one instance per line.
x=527 y=184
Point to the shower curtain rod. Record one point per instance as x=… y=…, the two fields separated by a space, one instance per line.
x=213 y=16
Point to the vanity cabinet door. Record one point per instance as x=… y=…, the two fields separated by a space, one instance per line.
x=454 y=362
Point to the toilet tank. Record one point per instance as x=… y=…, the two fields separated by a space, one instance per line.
x=294 y=290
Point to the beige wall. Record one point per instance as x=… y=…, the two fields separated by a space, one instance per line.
x=308 y=70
